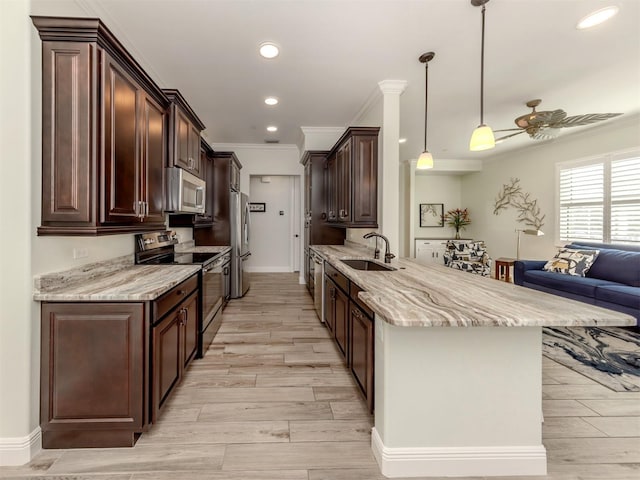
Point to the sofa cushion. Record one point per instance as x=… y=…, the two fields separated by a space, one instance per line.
x=584 y=286
x=620 y=294
x=572 y=261
x=618 y=266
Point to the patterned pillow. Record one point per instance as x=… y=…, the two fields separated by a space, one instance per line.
x=572 y=262
x=468 y=251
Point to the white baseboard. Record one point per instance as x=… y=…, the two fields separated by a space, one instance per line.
x=20 y=450
x=458 y=461
x=301 y=280
x=269 y=269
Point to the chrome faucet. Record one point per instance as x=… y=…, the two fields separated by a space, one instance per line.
x=387 y=254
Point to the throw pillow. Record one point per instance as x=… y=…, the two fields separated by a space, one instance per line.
x=572 y=262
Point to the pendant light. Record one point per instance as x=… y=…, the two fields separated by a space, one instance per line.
x=482 y=137
x=425 y=160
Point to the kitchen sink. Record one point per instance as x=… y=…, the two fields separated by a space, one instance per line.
x=370 y=265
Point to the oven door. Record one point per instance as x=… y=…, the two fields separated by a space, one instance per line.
x=212 y=288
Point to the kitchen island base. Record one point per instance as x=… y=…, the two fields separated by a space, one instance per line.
x=461 y=401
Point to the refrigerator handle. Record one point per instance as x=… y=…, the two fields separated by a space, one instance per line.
x=247 y=223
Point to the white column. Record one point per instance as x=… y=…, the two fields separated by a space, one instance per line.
x=413 y=211
x=389 y=163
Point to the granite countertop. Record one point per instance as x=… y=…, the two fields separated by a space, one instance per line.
x=114 y=280
x=189 y=247
x=431 y=295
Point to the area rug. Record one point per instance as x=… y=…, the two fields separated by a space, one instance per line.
x=609 y=356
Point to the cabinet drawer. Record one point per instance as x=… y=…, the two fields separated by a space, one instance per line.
x=353 y=293
x=337 y=277
x=173 y=297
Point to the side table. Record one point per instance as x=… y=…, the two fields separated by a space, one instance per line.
x=503 y=268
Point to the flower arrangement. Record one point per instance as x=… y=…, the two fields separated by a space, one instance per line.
x=457 y=219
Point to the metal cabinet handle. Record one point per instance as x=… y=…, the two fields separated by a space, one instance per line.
x=356 y=313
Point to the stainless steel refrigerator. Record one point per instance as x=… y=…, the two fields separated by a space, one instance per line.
x=240 y=236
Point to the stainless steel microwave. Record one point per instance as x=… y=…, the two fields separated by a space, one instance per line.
x=185 y=193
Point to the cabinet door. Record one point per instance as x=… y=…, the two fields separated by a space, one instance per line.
x=343 y=160
x=153 y=161
x=364 y=182
x=92 y=374
x=194 y=151
x=206 y=168
x=329 y=304
x=361 y=351
x=121 y=161
x=190 y=328
x=181 y=128
x=167 y=358
x=332 y=188
x=341 y=320
x=67 y=125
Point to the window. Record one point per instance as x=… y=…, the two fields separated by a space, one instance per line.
x=599 y=200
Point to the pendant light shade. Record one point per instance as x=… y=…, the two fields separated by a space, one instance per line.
x=425 y=161
x=482 y=137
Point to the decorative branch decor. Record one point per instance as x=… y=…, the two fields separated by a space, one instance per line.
x=512 y=195
x=457 y=219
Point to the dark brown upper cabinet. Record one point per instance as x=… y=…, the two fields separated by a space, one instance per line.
x=225 y=177
x=184 y=135
x=352 y=179
x=104 y=127
x=196 y=220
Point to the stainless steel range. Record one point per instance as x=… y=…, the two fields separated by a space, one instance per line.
x=158 y=248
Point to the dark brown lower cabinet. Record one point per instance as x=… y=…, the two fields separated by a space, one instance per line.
x=351 y=325
x=361 y=351
x=342 y=321
x=92 y=374
x=107 y=368
x=330 y=305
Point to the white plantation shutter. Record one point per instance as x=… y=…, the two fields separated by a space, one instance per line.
x=600 y=201
x=625 y=200
x=582 y=203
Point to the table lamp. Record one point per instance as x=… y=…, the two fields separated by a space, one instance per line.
x=537 y=233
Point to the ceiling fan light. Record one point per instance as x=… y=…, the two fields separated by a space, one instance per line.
x=597 y=17
x=425 y=161
x=482 y=139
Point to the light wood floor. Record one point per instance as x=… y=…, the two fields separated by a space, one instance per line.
x=272 y=400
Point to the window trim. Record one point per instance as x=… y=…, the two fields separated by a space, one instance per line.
x=605 y=159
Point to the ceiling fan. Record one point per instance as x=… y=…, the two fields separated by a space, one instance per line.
x=546 y=125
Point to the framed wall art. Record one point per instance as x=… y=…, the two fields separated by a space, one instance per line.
x=431 y=214
x=257 y=207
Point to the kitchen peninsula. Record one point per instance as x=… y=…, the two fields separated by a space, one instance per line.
x=458 y=366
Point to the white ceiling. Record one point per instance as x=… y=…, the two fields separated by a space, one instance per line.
x=334 y=53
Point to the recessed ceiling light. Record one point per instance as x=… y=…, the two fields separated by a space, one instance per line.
x=402 y=140
x=272 y=128
x=269 y=50
x=271 y=101
x=597 y=17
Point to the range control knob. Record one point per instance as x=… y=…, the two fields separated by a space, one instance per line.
x=148 y=241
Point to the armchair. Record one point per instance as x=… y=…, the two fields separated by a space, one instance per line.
x=468 y=255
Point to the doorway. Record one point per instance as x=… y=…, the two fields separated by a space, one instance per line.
x=275 y=230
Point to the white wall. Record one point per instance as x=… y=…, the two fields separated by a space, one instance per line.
x=18 y=388
x=444 y=189
x=271 y=233
x=535 y=167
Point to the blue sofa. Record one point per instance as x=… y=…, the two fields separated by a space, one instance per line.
x=613 y=281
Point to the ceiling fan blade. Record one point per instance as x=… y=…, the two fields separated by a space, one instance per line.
x=498 y=140
x=508 y=130
x=545 y=134
x=586 y=119
x=546 y=118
